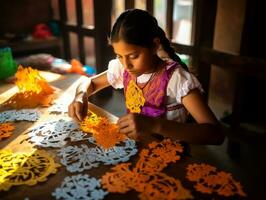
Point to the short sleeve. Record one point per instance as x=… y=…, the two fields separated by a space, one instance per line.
x=181 y=83
x=115 y=74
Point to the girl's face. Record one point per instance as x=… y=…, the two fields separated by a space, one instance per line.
x=136 y=59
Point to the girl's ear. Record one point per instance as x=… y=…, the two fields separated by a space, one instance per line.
x=156 y=44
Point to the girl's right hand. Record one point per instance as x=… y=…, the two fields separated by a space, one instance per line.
x=79 y=107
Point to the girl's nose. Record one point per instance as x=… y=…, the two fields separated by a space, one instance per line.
x=127 y=64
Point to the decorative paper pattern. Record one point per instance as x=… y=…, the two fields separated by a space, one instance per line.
x=80 y=187
x=55 y=133
x=33 y=90
x=134 y=98
x=78 y=159
x=6 y=130
x=158 y=156
x=105 y=133
x=25 y=168
x=29 y=79
x=19 y=115
x=58 y=108
x=161 y=186
x=147 y=177
x=209 y=180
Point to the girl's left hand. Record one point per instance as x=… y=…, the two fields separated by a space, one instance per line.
x=132 y=124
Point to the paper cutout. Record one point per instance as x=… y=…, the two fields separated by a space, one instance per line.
x=33 y=90
x=161 y=186
x=158 y=156
x=30 y=80
x=19 y=115
x=147 y=178
x=80 y=187
x=105 y=133
x=134 y=98
x=58 y=108
x=121 y=179
x=55 y=133
x=25 y=168
x=6 y=130
x=209 y=180
x=78 y=159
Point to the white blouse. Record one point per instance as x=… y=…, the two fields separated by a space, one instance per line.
x=179 y=85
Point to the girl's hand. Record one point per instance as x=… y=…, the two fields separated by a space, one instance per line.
x=132 y=124
x=79 y=107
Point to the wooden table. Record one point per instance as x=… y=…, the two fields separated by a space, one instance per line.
x=67 y=85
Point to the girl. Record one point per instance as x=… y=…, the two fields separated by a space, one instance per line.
x=159 y=90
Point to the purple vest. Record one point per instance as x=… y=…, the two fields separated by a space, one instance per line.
x=155 y=90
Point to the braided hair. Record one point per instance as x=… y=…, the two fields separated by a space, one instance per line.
x=138 y=27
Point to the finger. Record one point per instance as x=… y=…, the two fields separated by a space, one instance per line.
x=133 y=136
x=85 y=105
x=125 y=121
x=78 y=110
x=122 y=119
x=71 y=112
x=130 y=133
x=126 y=130
x=85 y=110
x=123 y=124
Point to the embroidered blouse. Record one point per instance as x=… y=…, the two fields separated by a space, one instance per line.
x=180 y=83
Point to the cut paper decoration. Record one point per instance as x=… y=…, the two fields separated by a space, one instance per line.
x=134 y=98
x=78 y=159
x=158 y=156
x=19 y=115
x=58 y=108
x=160 y=186
x=6 y=130
x=80 y=187
x=55 y=133
x=146 y=177
x=25 y=168
x=119 y=153
x=209 y=180
x=30 y=80
x=33 y=90
x=105 y=133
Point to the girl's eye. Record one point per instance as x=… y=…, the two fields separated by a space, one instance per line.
x=133 y=56
x=118 y=57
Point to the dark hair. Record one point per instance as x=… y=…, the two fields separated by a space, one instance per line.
x=138 y=27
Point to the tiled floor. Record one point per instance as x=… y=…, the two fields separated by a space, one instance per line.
x=249 y=167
